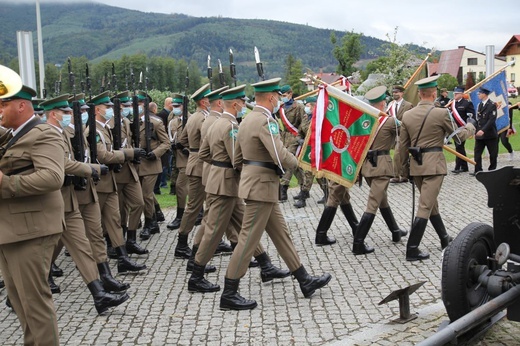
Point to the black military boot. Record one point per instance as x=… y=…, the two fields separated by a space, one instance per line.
x=438 y=225
x=301 y=203
x=154 y=226
x=125 y=264
x=109 y=283
x=299 y=195
x=223 y=248
x=232 y=300
x=268 y=271
x=182 y=250
x=54 y=288
x=351 y=217
x=309 y=284
x=172 y=190
x=131 y=244
x=359 y=247
x=197 y=282
x=56 y=271
x=146 y=231
x=176 y=223
x=111 y=253
x=209 y=268
x=253 y=263
x=397 y=232
x=323 y=227
x=412 y=247
x=104 y=300
x=199 y=218
x=283 y=192
x=159 y=216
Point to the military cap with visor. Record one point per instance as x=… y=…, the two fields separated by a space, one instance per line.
x=81 y=99
x=102 y=99
x=236 y=93
x=124 y=97
x=267 y=86
x=202 y=92
x=376 y=94
x=61 y=102
x=177 y=99
x=25 y=93
x=215 y=94
x=141 y=95
x=429 y=82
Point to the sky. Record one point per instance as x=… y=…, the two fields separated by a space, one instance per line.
x=439 y=25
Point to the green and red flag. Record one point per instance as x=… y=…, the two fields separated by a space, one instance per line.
x=341 y=132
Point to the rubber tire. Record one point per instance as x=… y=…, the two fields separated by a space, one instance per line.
x=472 y=246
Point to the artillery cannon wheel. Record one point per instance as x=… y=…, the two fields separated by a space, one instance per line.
x=461 y=292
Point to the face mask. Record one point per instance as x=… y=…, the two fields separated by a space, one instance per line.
x=127 y=112
x=84 y=117
x=141 y=109
x=242 y=112
x=177 y=111
x=308 y=110
x=109 y=114
x=277 y=107
x=65 y=120
x=44 y=118
x=285 y=99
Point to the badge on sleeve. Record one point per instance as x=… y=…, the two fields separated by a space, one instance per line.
x=273 y=128
x=233 y=133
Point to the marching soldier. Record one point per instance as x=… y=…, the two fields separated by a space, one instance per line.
x=260 y=155
x=397 y=108
x=107 y=186
x=131 y=203
x=74 y=236
x=423 y=130
x=191 y=138
x=180 y=155
x=224 y=208
x=292 y=118
x=377 y=170
x=31 y=210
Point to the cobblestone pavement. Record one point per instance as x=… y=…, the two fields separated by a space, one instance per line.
x=346 y=312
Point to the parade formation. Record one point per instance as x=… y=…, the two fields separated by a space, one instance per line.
x=80 y=175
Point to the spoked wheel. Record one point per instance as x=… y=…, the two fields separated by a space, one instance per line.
x=463 y=259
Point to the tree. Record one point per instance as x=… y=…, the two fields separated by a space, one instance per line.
x=447 y=81
x=293 y=73
x=347 y=53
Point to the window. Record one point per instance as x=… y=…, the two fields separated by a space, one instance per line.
x=472 y=61
x=512 y=77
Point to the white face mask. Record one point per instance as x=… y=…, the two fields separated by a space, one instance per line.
x=177 y=111
x=308 y=110
x=277 y=107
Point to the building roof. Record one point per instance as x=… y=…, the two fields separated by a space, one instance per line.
x=449 y=61
x=515 y=40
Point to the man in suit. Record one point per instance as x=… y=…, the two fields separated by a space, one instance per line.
x=377 y=170
x=486 y=135
x=423 y=130
x=261 y=156
x=397 y=108
x=166 y=158
x=224 y=209
x=32 y=214
x=461 y=109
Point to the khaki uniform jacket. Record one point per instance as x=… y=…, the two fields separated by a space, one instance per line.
x=128 y=173
x=31 y=205
x=219 y=145
x=191 y=138
x=175 y=130
x=437 y=126
x=159 y=145
x=384 y=140
x=405 y=106
x=258 y=139
x=206 y=125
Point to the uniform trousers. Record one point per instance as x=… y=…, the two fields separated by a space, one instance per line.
x=131 y=204
x=492 y=146
x=196 y=197
x=377 y=197
x=181 y=188
x=75 y=239
x=111 y=218
x=25 y=268
x=91 y=216
x=147 y=185
x=460 y=163
x=225 y=214
x=260 y=216
x=291 y=143
x=429 y=187
x=338 y=195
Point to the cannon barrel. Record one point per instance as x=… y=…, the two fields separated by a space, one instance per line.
x=473 y=318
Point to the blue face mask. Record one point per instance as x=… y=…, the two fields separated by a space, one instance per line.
x=285 y=99
x=177 y=111
x=308 y=110
x=44 y=118
x=65 y=120
x=277 y=107
x=84 y=117
x=242 y=112
x=127 y=112
x=141 y=109
x=109 y=114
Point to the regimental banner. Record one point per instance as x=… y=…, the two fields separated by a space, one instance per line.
x=411 y=92
x=341 y=132
x=498 y=87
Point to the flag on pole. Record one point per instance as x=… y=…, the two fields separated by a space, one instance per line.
x=411 y=92
x=341 y=132
x=498 y=87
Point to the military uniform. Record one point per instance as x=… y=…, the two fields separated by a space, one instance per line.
x=462 y=107
x=486 y=122
x=32 y=214
x=260 y=153
x=429 y=174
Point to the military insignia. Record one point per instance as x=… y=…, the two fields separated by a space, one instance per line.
x=98 y=138
x=365 y=124
x=233 y=133
x=331 y=106
x=273 y=128
x=350 y=170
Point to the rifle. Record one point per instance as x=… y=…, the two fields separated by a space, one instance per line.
x=232 y=67
x=89 y=85
x=259 y=66
x=221 y=77
x=116 y=131
x=92 y=133
x=114 y=79
x=134 y=126
x=185 y=100
x=210 y=73
x=147 y=125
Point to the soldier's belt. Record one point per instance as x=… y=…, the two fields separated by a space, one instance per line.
x=431 y=150
x=20 y=170
x=373 y=154
x=223 y=164
x=67 y=181
x=269 y=165
x=194 y=150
